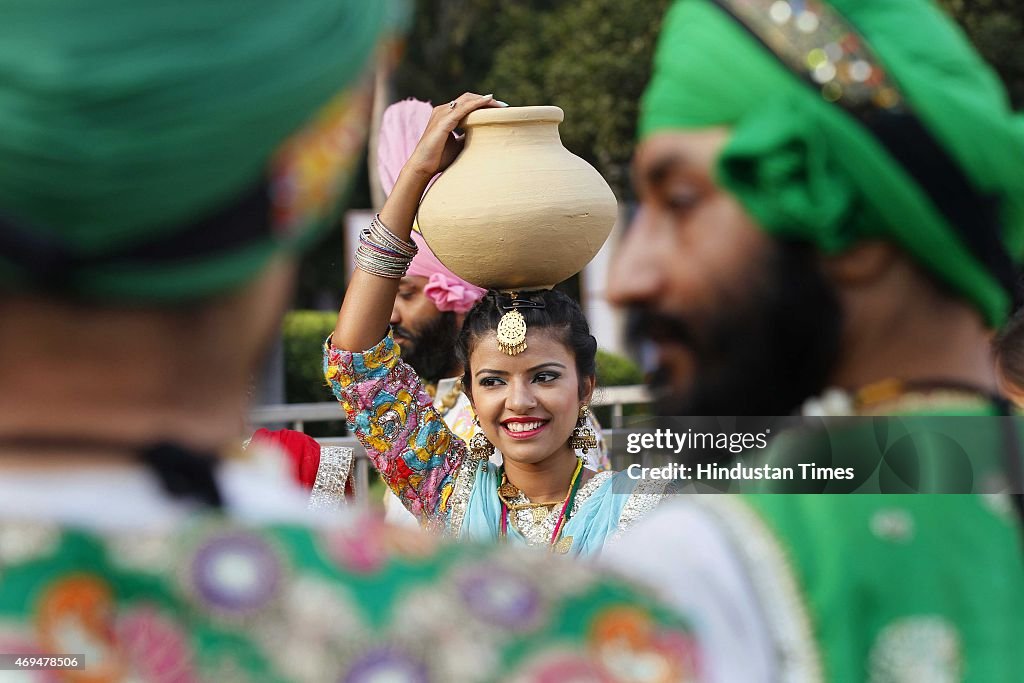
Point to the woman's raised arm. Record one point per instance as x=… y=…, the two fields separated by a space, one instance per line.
x=366 y=311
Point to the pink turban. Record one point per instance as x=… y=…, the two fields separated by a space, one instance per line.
x=401 y=127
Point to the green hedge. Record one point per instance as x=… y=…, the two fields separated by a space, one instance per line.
x=614 y=370
x=305 y=331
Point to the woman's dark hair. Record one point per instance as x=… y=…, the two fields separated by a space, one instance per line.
x=557 y=312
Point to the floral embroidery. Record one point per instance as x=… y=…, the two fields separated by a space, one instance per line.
x=386 y=662
x=76 y=610
x=918 y=648
x=394 y=418
x=499 y=596
x=390 y=413
x=20 y=542
x=234 y=574
x=558 y=665
x=310 y=169
x=321 y=617
x=156 y=646
x=360 y=551
x=432 y=440
x=634 y=648
x=140 y=551
x=462 y=613
x=421 y=459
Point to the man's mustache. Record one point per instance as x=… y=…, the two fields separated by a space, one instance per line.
x=650 y=327
x=399 y=331
x=647 y=325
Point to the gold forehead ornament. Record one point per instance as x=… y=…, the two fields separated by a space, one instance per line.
x=511 y=330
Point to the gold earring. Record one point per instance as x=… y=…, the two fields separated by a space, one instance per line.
x=583 y=437
x=480 y=446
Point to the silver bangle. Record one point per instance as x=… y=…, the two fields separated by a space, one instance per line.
x=377 y=264
x=379 y=252
x=381 y=235
x=382 y=253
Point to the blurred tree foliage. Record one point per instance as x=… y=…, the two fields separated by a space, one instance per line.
x=996 y=27
x=590 y=57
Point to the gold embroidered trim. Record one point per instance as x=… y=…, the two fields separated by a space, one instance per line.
x=647 y=495
x=816 y=41
x=773 y=577
x=465 y=481
x=589 y=488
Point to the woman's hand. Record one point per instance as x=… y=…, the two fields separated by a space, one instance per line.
x=365 y=313
x=439 y=145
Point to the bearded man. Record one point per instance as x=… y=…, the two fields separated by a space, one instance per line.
x=832 y=196
x=161 y=167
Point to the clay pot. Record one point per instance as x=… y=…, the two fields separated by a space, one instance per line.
x=517 y=210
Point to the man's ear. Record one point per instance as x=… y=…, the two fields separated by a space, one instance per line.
x=862 y=264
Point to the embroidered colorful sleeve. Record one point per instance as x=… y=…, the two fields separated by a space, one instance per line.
x=394 y=418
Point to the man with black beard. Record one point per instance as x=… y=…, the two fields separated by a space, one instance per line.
x=426 y=328
x=709 y=366
x=427 y=348
x=832 y=210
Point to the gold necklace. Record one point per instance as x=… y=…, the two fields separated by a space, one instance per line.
x=893 y=395
x=508 y=492
x=556 y=543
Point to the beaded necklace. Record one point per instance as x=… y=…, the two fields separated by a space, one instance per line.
x=894 y=395
x=505 y=492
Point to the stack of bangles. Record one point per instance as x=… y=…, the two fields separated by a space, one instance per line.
x=382 y=253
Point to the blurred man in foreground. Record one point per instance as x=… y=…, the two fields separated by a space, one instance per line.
x=831 y=196
x=161 y=164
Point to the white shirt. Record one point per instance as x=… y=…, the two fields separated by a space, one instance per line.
x=256 y=489
x=683 y=552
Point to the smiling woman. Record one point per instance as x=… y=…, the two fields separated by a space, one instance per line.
x=529 y=372
x=529 y=406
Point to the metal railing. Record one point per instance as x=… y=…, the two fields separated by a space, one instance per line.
x=297 y=415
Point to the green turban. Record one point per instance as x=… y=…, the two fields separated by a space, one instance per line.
x=820 y=146
x=160 y=151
